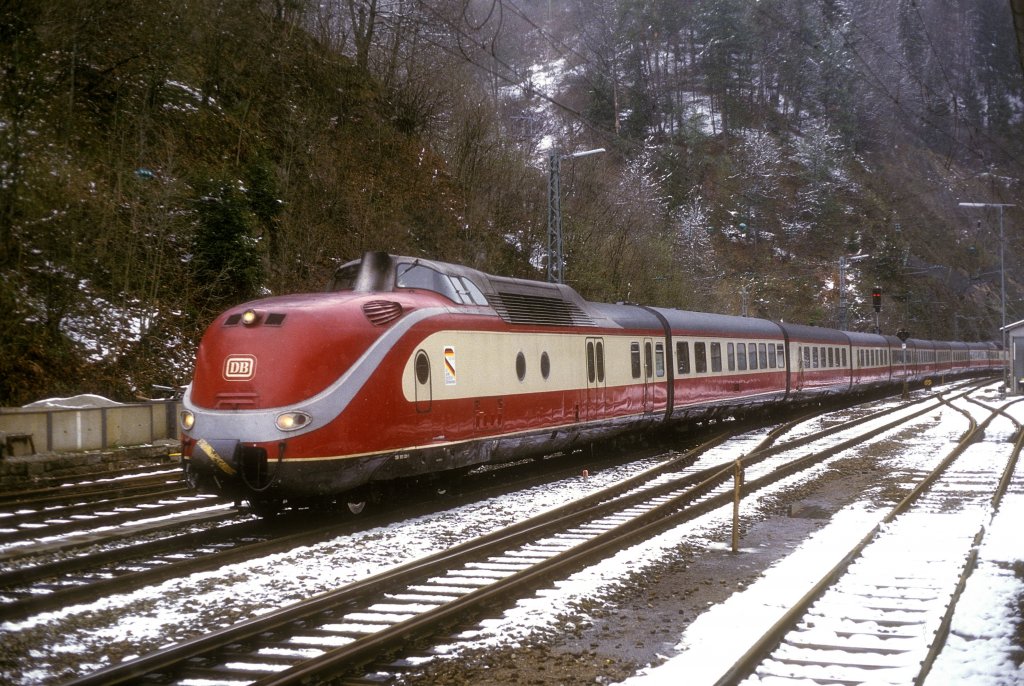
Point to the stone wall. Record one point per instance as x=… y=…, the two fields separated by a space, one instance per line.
x=28 y=472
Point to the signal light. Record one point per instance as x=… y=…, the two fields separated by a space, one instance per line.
x=876 y=298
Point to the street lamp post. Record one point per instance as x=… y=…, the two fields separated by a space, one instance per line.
x=1002 y=276
x=556 y=260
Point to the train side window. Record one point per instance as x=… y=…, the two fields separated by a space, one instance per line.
x=683 y=357
x=634 y=359
x=807 y=357
x=700 y=357
x=659 y=360
x=814 y=357
x=762 y=349
x=752 y=355
x=591 y=363
x=716 y=357
x=780 y=354
x=730 y=356
x=823 y=356
x=741 y=356
x=844 y=357
x=468 y=290
x=831 y=358
x=648 y=361
x=600 y=361
x=771 y=356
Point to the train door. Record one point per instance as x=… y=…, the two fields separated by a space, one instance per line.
x=596 y=384
x=799 y=367
x=648 y=376
x=421 y=382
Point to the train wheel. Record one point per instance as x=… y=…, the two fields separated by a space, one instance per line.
x=356 y=508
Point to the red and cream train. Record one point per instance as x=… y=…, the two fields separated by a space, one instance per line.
x=408 y=367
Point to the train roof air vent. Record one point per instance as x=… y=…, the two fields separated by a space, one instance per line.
x=523 y=308
x=381 y=312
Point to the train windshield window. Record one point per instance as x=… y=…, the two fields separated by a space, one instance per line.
x=420 y=276
x=741 y=356
x=700 y=357
x=634 y=359
x=659 y=360
x=730 y=357
x=716 y=357
x=683 y=357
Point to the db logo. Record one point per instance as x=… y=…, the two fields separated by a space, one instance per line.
x=239 y=367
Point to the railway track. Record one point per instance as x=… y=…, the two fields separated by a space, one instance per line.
x=93 y=504
x=338 y=632
x=113 y=484
x=37 y=577
x=882 y=614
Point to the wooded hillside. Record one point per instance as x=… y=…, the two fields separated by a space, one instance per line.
x=163 y=160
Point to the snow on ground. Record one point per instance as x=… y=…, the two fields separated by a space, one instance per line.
x=980 y=650
x=983 y=646
x=161 y=615
x=982 y=638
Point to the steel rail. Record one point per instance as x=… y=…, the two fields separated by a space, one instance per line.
x=97 y=486
x=529 y=529
x=773 y=637
x=660 y=517
x=942 y=633
x=671 y=513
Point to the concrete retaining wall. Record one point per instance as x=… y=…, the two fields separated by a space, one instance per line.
x=70 y=430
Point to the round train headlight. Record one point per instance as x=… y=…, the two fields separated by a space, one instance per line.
x=290 y=421
x=188 y=420
x=250 y=317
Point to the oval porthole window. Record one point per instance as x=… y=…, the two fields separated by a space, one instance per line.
x=545 y=365
x=521 y=366
x=422 y=367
